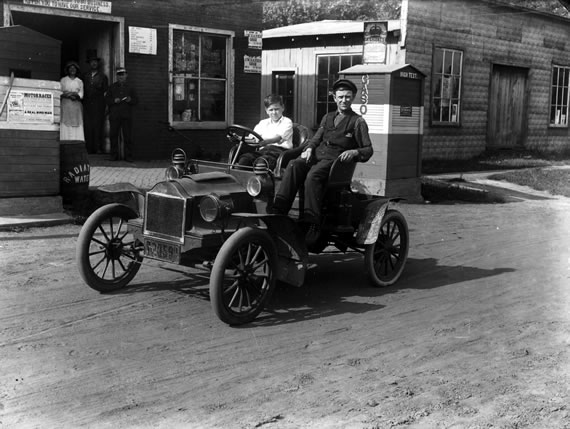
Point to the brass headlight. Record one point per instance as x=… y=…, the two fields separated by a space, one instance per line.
x=174 y=172
x=259 y=185
x=212 y=208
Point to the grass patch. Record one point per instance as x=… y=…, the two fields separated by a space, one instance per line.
x=499 y=160
x=556 y=181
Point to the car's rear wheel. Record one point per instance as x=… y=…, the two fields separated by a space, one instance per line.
x=385 y=259
x=243 y=276
x=108 y=256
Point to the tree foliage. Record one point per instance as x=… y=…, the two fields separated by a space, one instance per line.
x=289 y=12
x=555 y=7
x=280 y=13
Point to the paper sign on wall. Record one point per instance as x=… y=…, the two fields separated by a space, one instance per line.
x=30 y=107
x=251 y=64
x=253 y=39
x=142 y=40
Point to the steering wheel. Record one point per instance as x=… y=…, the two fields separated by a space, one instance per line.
x=239 y=133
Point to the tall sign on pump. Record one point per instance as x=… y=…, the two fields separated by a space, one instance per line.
x=374 y=50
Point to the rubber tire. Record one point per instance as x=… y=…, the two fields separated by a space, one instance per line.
x=371 y=255
x=242 y=237
x=87 y=272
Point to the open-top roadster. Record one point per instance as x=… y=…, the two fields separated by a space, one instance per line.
x=215 y=215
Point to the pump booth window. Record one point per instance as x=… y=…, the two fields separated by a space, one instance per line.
x=446 y=86
x=200 y=78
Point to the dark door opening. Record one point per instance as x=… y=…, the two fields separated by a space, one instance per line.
x=283 y=83
x=79 y=37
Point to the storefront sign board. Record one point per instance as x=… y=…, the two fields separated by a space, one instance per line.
x=93 y=6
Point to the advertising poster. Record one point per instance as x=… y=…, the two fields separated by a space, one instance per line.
x=252 y=64
x=30 y=107
x=375 y=42
x=142 y=40
x=253 y=39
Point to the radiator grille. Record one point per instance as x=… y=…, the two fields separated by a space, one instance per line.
x=165 y=216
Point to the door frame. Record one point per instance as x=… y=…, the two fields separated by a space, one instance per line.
x=118 y=48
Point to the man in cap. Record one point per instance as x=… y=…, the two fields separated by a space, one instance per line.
x=342 y=134
x=95 y=84
x=120 y=98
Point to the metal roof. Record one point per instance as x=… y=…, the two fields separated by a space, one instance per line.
x=318 y=28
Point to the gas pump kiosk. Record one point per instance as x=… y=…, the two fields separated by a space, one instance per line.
x=390 y=98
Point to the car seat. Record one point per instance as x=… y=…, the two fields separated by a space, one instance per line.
x=301 y=135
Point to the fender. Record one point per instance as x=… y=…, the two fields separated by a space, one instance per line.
x=291 y=247
x=137 y=194
x=369 y=226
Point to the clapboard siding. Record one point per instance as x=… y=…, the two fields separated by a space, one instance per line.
x=29 y=163
x=488 y=33
x=25 y=49
x=150 y=73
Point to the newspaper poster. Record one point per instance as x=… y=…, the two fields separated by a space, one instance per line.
x=30 y=107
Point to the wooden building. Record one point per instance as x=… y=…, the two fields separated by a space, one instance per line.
x=29 y=113
x=193 y=62
x=497 y=75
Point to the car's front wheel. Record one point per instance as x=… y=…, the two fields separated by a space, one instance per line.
x=243 y=276
x=108 y=256
x=385 y=259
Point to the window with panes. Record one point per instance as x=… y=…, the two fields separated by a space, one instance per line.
x=446 y=86
x=559 y=96
x=328 y=68
x=200 y=76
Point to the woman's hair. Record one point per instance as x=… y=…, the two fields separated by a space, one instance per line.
x=272 y=99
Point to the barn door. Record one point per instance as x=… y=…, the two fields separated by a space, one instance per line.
x=507 y=107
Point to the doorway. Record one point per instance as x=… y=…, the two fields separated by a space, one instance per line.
x=507 y=107
x=80 y=37
x=283 y=83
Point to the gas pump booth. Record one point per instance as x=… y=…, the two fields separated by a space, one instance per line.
x=390 y=98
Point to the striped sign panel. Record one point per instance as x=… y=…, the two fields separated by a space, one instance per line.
x=387 y=119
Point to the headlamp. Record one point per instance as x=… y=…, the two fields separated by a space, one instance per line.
x=259 y=185
x=212 y=208
x=174 y=172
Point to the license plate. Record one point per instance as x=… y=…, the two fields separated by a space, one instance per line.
x=163 y=251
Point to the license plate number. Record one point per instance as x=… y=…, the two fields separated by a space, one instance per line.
x=163 y=251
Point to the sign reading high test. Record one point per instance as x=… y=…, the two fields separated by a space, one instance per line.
x=94 y=6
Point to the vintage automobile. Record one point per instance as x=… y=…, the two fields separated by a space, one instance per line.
x=214 y=215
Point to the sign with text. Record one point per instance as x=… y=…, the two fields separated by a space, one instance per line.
x=30 y=107
x=251 y=64
x=94 y=6
x=374 y=51
x=142 y=40
x=253 y=39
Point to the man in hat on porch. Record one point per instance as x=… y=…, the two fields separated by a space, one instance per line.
x=95 y=85
x=121 y=97
x=342 y=134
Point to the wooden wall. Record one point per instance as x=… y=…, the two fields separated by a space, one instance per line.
x=488 y=33
x=24 y=49
x=29 y=163
x=304 y=62
x=150 y=73
x=29 y=153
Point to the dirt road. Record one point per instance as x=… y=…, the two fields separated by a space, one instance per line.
x=476 y=334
